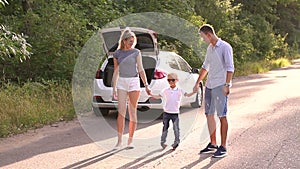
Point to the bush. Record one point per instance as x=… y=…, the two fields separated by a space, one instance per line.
x=248 y=68
x=33 y=105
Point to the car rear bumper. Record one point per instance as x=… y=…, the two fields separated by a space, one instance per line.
x=154 y=104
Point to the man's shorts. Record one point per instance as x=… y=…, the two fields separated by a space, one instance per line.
x=129 y=84
x=215 y=101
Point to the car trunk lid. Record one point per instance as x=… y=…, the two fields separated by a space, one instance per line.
x=146 y=40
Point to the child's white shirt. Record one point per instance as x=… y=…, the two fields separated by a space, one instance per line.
x=172 y=99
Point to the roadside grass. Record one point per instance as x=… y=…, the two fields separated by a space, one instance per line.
x=33 y=105
x=260 y=66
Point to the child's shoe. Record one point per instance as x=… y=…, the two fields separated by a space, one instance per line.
x=175 y=145
x=163 y=145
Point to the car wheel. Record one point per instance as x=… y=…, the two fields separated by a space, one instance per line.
x=100 y=111
x=199 y=98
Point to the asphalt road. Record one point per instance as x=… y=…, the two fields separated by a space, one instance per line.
x=264 y=115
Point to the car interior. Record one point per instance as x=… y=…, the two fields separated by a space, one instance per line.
x=149 y=64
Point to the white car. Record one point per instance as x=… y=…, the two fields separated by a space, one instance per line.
x=157 y=65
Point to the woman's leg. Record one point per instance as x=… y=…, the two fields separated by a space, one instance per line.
x=122 y=101
x=132 y=109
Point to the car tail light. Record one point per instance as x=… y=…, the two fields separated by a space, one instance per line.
x=99 y=74
x=97 y=99
x=159 y=74
x=155 y=34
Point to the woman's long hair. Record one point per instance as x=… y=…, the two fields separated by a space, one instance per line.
x=126 y=33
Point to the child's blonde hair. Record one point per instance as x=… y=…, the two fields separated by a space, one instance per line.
x=173 y=76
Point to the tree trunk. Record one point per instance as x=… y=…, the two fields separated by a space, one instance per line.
x=25 y=5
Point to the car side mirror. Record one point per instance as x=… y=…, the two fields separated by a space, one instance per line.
x=194 y=70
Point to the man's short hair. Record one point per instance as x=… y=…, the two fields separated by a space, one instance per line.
x=206 y=28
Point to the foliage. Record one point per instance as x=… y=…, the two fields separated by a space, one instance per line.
x=288 y=22
x=13 y=47
x=261 y=66
x=33 y=105
x=49 y=36
x=57 y=30
x=3 y=3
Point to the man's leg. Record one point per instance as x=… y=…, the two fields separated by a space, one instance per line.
x=211 y=123
x=209 y=112
x=221 y=107
x=224 y=130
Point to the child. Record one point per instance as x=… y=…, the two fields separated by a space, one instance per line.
x=172 y=96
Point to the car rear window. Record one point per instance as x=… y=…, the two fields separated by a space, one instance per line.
x=144 y=41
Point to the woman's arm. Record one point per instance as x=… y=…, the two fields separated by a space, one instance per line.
x=115 y=77
x=142 y=73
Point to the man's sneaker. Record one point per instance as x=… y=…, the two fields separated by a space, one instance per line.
x=209 y=149
x=221 y=152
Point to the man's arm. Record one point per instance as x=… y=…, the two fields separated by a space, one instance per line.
x=228 y=58
x=229 y=76
x=202 y=74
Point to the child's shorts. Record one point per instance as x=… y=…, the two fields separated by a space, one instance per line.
x=215 y=101
x=129 y=84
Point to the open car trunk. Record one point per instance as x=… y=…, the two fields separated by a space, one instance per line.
x=149 y=64
x=146 y=43
x=146 y=40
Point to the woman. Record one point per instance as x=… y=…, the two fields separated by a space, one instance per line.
x=126 y=83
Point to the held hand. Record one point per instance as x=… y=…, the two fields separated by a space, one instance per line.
x=148 y=90
x=115 y=95
x=196 y=88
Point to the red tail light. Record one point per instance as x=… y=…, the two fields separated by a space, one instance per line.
x=159 y=74
x=97 y=99
x=155 y=34
x=99 y=74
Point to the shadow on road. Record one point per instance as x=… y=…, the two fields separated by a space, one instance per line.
x=50 y=139
x=203 y=157
x=103 y=128
x=48 y=143
x=92 y=160
x=134 y=165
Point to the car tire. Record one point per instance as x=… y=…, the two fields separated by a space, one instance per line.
x=199 y=98
x=100 y=111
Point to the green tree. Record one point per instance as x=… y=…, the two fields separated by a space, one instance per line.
x=3 y=3
x=13 y=46
x=224 y=15
x=56 y=30
x=288 y=22
x=262 y=16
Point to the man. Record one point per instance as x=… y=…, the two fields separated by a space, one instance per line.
x=218 y=64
